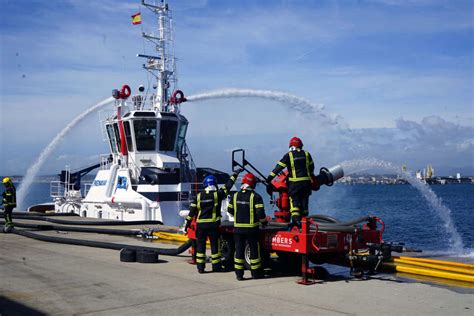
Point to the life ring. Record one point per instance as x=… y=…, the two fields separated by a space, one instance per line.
x=125 y=92
x=177 y=97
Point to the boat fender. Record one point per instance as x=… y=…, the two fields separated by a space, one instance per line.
x=125 y=92
x=178 y=97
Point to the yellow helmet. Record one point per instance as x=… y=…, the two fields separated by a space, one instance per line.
x=6 y=180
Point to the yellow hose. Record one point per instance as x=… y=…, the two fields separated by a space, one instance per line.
x=171 y=236
x=432 y=273
x=442 y=262
x=436 y=265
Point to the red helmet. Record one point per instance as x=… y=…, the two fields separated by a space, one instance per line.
x=296 y=142
x=250 y=180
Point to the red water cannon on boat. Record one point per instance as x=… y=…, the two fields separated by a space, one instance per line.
x=123 y=93
x=177 y=97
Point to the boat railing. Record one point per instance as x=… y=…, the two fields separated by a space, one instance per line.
x=57 y=189
x=86 y=186
x=105 y=162
x=149 y=101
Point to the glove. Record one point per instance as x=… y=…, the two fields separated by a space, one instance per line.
x=270 y=189
x=188 y=223
x=238 y=170
x=269 y=179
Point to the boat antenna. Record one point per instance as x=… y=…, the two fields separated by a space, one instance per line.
x=162 y=64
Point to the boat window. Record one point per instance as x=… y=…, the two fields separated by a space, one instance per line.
x=182 y=135
x=145 y=134
x=168 y=131
x=128 y=135
x=111 y=134
x=117 y=137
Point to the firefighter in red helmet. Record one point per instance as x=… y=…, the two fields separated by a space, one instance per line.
x=249 y=213
x=300 y=170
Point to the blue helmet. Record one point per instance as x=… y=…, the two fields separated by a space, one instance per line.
x=209 y=180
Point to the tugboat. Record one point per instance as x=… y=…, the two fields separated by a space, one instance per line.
x=150 y=173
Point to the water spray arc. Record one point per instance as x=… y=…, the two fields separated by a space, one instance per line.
x=48 y=150
x=296 y=103
x=433 y=200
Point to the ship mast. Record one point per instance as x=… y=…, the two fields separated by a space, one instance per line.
x=163 y=64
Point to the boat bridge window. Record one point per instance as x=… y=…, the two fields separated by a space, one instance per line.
x=112 y=140
x=182 y=136
x=117 y=137
x=145 y=134
x=128 y=135
x=168 y=131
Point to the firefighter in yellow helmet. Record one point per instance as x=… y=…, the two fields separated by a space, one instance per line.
x=9 y=201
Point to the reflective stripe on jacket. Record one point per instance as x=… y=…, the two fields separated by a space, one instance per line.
x=299 y=163
x=247 y=208
x=207 y=204
x=9 y=196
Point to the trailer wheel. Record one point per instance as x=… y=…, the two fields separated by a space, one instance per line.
x=264 y=256
x=147 y=256
x=247 y=256
x=227 y=252
x=128 y=255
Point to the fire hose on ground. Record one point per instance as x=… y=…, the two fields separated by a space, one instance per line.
x=97 y=244
x=85 y=223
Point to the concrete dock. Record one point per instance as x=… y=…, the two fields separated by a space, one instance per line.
x=55 y=279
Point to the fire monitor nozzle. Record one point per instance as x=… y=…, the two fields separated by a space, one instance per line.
x=327 y=177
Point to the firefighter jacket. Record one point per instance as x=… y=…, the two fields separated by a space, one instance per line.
x=299 y=164
x=9 y=196
x=248 y=210
x=206 y=206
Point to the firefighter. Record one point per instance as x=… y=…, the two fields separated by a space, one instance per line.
x=247 y=208
x=300 y=168
x=206 y=207
x=9 y=201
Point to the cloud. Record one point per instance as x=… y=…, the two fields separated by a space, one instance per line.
x=434 y=132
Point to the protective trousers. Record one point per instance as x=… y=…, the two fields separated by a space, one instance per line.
x=299 y=200
x=7 y=214
x=239 y=259
x=201 y=236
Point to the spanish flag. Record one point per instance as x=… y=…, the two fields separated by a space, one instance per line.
x=137 y=18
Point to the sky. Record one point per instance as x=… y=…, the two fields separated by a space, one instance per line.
x=397 y=76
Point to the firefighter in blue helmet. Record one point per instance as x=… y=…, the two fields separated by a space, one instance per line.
x=206 y=207
x=300 y=171
x=249 y=213
x=9 y=201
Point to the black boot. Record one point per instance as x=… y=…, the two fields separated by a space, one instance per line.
x=200 y=268
x=239 y=275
